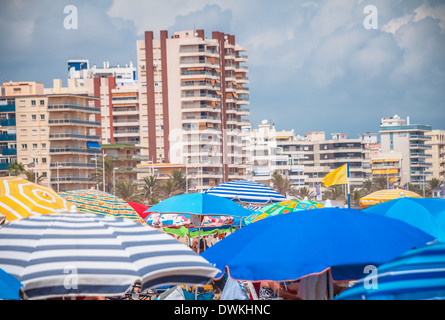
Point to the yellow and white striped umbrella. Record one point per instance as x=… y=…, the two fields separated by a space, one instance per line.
x=20 y=198
x=380 y=196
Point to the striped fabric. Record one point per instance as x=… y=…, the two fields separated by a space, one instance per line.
x=385 y=195
x=418 y=274
x=20 y=198
x=82 y=254
x=99 y=202
x=246 y=191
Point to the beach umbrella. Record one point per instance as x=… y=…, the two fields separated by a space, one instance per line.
x=201 y=204
x=139 y=208
x=178 y=220
x=99 y=202
x=290 y=246
x=424 y=213
x=283 y=207
x=84 y=254
x=246 y=191
x=9 y=287
x=20 y=198
x=385 y=195
x=418 y=274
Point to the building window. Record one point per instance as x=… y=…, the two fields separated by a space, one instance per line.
x=44 y=174
x=43 y=132
x=24 y=146
x=34 y=146
x=43 y=160
x=34 y=132
x=23 y=132
x=33 y=102
x=42 y=102
x=33 y=117
x=42 y=117
x=43 y=145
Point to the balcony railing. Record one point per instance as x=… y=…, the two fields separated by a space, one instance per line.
x=8 y=123
x=73 y=136
x=8 y=151
x=8 y=137
x=72 y=164
x=67 y=107
x=73 y=121
x=75 y=150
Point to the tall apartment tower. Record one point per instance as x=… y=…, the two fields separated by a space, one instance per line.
x=398 y=135
x=193 y=99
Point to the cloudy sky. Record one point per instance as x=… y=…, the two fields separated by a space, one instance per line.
x=313 y=66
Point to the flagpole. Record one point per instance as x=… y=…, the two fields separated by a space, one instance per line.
x=349 y=189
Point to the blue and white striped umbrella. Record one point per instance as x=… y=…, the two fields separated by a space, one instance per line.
x=418 y=274
x=246 y=191
x=83 y=254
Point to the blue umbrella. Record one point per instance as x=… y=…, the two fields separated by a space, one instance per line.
x=9 y=286
x=423 y=213
x=418 y=274
x=246 y=191
x=200 y=204
x=290 y=246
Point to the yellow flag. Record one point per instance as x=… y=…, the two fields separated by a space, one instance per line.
x=338 y=176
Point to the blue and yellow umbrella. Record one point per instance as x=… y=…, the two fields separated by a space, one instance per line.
x=99 y=202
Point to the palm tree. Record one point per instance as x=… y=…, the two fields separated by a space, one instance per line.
x=431 y=185
x=367 y=186
x=97 y=175
x=414 y=188
x=149 y=185
x=167 y=189
x=281 y=185
x=304 y=192
x=15 y=168
x=179 y=179
x=335 y=193
x=380 y=183
x=129 y=191
x=31 y=176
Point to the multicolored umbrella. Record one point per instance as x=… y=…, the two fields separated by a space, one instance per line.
x=418 y=274
x=100 y=202
x=178 y=220
x=282 y=207
x=84 y=254
x=385 y=195
x=20 y=198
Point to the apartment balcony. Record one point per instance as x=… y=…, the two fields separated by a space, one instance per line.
x=126 y=133
x=8 y=122
x=125 y=111
x=55 y=151
x=8 y=137
x=199 y=108
x=242 y=58
x=72 y=136
x=420 y=137
x=72 y=165
x=72 y=107
x=420 y=164
x=73 y=122
x=72 y=179
x=201 y=119
x=125 y=122
x=7 y=108
x=8 y=152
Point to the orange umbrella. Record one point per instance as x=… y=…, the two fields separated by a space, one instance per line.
x=385 y=195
